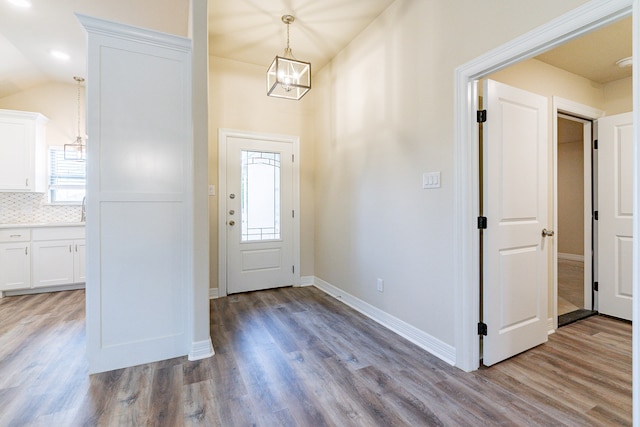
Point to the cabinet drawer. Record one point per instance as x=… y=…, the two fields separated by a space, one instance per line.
x=9 y=235
x=57 y=233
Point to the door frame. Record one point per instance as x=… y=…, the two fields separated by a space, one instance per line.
x=588 y=17
x=565 y=106
x=223 y=134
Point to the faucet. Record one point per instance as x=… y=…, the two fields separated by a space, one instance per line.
x=83 y=216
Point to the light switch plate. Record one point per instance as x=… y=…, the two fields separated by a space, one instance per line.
x=431 y=180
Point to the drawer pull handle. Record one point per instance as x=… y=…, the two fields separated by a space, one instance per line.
x=15 y=235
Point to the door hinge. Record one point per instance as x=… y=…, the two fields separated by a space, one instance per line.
x=482 y=116
x=595 y=215
x=482 y=222
x=595 y=144
x=482 y=329
x=595 y=286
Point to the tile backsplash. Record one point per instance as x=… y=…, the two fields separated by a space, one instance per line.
x=32 y=208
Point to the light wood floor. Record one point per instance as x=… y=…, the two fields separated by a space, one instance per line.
x=570 y=286
x=296 y=357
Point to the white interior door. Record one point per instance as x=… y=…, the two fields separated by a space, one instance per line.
x=259 y=214
x=615 y=215
x=515 y=258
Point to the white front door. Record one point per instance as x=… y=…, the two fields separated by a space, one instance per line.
x=615 y=215
x=259 y=213
x=515 y=193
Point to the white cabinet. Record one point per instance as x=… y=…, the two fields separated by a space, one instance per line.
x=52 y=263
x=79 y=261
x=16 y=266
x=22 y=151
x=15 y=259
x=41 y=257
x=58 y=256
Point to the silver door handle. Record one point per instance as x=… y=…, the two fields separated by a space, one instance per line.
x=547 y=233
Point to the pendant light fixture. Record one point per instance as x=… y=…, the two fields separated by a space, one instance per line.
x=287 y=77
x=76 y=150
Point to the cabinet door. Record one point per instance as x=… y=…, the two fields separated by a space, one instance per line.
x=15 y=266
x=79 y=261
x=15 y=154
x=52 y=263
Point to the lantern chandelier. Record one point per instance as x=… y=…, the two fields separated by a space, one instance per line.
x=287 y=77
x=76 y=150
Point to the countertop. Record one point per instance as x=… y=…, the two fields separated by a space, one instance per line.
x=42 y=225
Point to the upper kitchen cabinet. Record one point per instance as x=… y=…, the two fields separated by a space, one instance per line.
x=22 y=151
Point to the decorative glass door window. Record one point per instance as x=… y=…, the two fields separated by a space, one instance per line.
x=260 y=196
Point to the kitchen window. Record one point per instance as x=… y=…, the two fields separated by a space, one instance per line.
x=67 y=178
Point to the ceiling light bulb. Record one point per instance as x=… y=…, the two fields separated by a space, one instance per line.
x=21 y=3
x=60 y=55
x=625 y=62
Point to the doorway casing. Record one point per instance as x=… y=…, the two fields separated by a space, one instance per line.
x=590 y=114
x=586 y=18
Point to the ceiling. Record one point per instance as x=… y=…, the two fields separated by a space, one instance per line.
x=594 y=55
x=252 y=30
x=245 y=30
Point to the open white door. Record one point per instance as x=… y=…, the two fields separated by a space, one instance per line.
x=515 y=257
x=615 y=215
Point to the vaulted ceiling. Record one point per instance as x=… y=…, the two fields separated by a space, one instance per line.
x=245 y=30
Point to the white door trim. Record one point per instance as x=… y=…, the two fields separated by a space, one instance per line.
x=592 y=15
x=223 y=134
x=561 y=105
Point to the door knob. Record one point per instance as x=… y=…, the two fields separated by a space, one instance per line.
x=232 y=222
x=547 y=233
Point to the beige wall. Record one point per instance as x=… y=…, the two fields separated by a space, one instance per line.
x=570 y=229
x=238 y=100
x=546 y=80
x=58 y=102
x=384 y=115
x=618 y=96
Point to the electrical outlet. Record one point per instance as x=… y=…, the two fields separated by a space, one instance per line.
x=380 y=285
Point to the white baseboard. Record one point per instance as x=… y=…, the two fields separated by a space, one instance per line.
x=420 y=338
x=72 y=287
x=213 y=293
x=201 y=350
x=306 y=280
x=570 y=257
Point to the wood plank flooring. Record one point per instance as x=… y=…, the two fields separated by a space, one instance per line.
x=570 y=286
x=297 y=357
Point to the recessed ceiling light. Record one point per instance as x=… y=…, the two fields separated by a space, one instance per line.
x=21 y=3
x=625 y=62
x=60 y=55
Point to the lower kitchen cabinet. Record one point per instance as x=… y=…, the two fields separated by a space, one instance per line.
x=79 y=261
x=52 y=263
x=15 y=266
x=46 y=257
